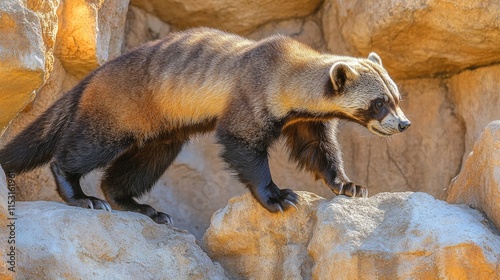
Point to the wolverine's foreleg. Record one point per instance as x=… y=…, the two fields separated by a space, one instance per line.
x=135 y=172
x=314 y=147
x=252 y=167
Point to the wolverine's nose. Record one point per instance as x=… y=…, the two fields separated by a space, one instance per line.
x=403 y=125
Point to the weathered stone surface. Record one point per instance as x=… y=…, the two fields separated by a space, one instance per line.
x=235 y=16
x=252 y=243
x=59 y=241
x=478 y=184
x=476 y=100
x=90 y=33
x=388 y=236
x=424 y=158
x=46 y=11
x=306 y=30
x=141 y=27
x=416 y=38
x=39 y=184
x=22 y=58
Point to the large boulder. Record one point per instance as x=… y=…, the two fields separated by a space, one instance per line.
x=22 y=58
x=55 y=241
x=235 y=16
x=478 y=184
x=388 y=236
x=419 y=37
x=90 y=33
x=476 y=99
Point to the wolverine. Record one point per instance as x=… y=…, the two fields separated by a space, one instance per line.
x=134 y=114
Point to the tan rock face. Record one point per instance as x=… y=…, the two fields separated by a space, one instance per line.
x=307 y=31
x=22 y=58
x=424 y=158
x=38 y=184
x=235 y=16
x=416 y=38
x=59 y=241
x=46 y=12
x=252 y=243
x=477 y=99
x=90 y=33
x=141 y=27
x=478 y=184
x=388 y=236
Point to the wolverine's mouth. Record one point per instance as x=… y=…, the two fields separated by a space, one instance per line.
x=379 y=132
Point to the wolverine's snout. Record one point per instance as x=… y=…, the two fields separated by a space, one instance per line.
x=403 y=125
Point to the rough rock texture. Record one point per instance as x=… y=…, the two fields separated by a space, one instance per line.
x=265 y=245
x=22 y=58
x=63 y=242
x=230 y=15
x=46 y=11
x=141 y=27
x=477 y=99
x=305 y=30
x=478 y=184
x=38 y=184
x=417 y=38
x=388 y=236
x=90 y=33
x=424 y=158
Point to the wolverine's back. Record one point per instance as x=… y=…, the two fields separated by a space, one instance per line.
x=183 y=79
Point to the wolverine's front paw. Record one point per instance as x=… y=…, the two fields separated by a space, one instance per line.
x=281 y=200
x=91 y=203
x=350 y=189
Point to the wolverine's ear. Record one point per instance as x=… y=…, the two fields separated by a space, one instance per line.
x=375 y=58
x=340 y=73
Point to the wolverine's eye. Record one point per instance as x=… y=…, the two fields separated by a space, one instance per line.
x=379 y=104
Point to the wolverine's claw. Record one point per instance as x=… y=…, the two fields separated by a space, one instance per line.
x=280 y=208
x=364 y=193
x=341 y=190
x=91 y=203
x=291 y=203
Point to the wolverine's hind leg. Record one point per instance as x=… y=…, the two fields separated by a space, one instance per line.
x=135 y=172
x=68 y=187
x=81 y=152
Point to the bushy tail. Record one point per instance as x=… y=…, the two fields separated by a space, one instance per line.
x=36 y=144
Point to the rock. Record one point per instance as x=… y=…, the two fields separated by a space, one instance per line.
x=46 y=12
x=39 y=183
x=418 y=38
x=252 y=243
x=388 y=236
x=424 y=158
x=476 y=100
x=141 y=27
x=59 y=241
x=90 y=33
x=478 y=184
x=307 y=31
x=22 y=58
x=234 y=16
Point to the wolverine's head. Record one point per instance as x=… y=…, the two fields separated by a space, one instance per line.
x=368 y=95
